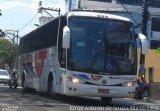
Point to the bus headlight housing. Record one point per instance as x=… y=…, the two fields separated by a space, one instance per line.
x=75 y=80
x=129 y=83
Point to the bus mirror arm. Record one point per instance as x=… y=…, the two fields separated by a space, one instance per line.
x=144 y=43
x=66 y=38
x=136 y=35
x=66 y=41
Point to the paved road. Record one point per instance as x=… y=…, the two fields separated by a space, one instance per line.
x=14 y=100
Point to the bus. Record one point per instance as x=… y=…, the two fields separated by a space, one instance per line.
x=81 y=53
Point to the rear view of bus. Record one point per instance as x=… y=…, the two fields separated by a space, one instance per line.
x=100 y=56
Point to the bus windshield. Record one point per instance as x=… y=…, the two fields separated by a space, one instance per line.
x=101 y=45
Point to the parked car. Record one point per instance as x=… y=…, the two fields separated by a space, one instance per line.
x=4 y=77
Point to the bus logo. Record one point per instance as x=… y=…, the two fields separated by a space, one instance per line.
x=104 y=81
x=96 y=77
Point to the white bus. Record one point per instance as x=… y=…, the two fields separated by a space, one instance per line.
x=81 y=54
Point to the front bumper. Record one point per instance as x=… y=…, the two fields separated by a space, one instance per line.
x=93 y=90
x=4 y=81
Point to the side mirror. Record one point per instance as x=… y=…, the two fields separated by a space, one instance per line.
x=66 y=38
x=144 y=43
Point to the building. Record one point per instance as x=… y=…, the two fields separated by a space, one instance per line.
x=133 y=10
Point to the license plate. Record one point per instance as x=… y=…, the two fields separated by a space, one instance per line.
x=103 y=90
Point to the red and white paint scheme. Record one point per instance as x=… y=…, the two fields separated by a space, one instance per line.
x=81 y=54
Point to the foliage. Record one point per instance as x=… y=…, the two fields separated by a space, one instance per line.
x=7 y=53
x=158 y=51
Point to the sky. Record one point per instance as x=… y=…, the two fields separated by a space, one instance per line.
x=21 y=15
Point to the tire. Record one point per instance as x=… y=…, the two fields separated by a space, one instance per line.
x=106 y=100
x=15 y=86
x=51 y=88
x=10 y=86
x=24 y=89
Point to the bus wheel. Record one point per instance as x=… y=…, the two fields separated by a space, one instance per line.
x=24 y=89
x=106 y=100
x=10 y=86
x=51 y=88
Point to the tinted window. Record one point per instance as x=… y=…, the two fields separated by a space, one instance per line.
x=43 y=37
x=97 y=44
x=155 y=24
x=154 y=3
x=155 y=44
x=130 y=2
x=151 y=3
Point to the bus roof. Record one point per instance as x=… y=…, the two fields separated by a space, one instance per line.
x=86 y=14
x=98 y=15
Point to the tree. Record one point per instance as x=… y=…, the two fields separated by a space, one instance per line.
x=7 y=53
x=2 y=33
x=158 y=50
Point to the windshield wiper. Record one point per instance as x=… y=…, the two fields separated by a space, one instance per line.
x=95 y=60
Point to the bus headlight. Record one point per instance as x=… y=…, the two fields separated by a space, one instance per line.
x=129 y=84
x=75 y=80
